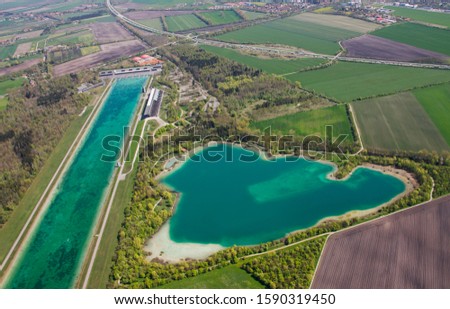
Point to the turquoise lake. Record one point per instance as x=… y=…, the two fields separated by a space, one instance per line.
x=234 y=202
x=53 y=256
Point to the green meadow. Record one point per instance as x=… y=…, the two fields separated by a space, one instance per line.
x=437 y=18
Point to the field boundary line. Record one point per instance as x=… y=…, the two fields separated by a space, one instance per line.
x=352 y=113
x=38 y=209
x=318 y=262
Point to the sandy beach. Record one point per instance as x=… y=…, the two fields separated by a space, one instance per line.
x=163 y=248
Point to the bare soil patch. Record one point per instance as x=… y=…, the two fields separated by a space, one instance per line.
x=373 y=47
x=408 y=249
x=110 y=32
x=109 y=52
x=22 y=49
x=23 y=66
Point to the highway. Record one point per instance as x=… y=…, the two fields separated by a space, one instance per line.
x=285 y=51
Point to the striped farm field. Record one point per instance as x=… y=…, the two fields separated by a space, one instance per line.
x=338 y=21
x=308 y=123
x=154 y=23
x=348 y=81
x=274 y=66
x=434 y=39
x=184 y=22
x=293 y=31
x=249 y=15
x=436 y=102
x=436 y=18
x=397 y=122
x=221 y=17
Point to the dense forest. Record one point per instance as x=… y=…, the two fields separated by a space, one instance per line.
x=291 y=268
x=34 y=121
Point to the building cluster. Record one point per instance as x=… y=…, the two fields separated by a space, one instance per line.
x=146 y=60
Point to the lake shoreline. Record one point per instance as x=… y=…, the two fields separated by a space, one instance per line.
x=407 y=179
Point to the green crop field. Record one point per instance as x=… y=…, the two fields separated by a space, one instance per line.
x=397 y=122
x=434 y=39
x=437 y=18
x=84 y=37
x=230 y=277
x=221 y=17
x=9 y=84
x=155 y=23
x=90 y=50
x=164 y=3
x=436 y=102
x=274 y=66
x=338 y=21
x=249 y=15
x=312 y=122
x=348 y=81
x=184 y=22
x=7 y=51
x=294 y=32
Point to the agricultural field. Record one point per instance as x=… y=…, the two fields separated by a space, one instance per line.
x=183 y=22
x=373 y=47
x=434 y=39
x=406 y=250
x=249 y=15
x=435 y=18
x=22 y=66
x=436 y=102
x=22 y=49
x=155 y=23
x=110 y=32
x=9 y=84
x=84 y=38
x=7 y=51
x=312 y=122
x=221 y=17
x=108 y=52
x=89 y=50
x=338 y=21
x=158 y=4
x=230 y=277
x=293 y=31
x=348 y=81
x=274 y=66
x=397 y=122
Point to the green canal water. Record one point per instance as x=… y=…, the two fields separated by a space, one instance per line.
x=228 y=201
x=53 y=256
